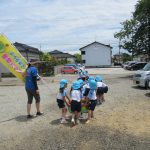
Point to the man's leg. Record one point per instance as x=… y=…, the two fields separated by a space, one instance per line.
x=28 y=108
x=38 y=107
x=30 y=98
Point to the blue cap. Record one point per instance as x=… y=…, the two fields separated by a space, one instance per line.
x=98 y=78
x=90 y=78
x=92 y=84
x=63 y=82
x=80 y=81
x=76 y=85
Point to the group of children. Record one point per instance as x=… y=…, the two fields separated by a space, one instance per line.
x=85 y=94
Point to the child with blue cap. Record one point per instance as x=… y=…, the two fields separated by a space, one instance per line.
x=92 y=99
x=61 y=99
x=86 y=87
x=76 y=96
x=101 y=89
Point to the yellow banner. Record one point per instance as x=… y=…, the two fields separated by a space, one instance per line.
x=11 y=58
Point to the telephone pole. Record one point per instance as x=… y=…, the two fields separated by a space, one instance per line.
x=119 y=50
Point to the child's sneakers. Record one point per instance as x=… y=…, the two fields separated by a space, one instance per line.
x=63 y=121
x=72 y=121
x=81 y=117
x=77 y=121
x=87 y=121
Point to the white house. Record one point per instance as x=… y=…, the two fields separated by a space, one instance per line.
x=96 y=55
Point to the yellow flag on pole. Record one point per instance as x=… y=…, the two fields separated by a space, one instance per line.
x=11 y=58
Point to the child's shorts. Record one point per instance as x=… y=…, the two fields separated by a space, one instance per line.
x=60 y=103
x=86 y=92
x=75 y=106
x=100 y=91
x=92 y=104
x=105 y=89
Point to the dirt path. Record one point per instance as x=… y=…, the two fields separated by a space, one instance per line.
x=122 y=122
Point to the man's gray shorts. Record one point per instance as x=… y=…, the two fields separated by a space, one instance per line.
x=31 y=94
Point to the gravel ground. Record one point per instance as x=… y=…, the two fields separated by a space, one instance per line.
x=121 y=123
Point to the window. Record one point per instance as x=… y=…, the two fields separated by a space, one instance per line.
x=84 y=61
x=82 y=52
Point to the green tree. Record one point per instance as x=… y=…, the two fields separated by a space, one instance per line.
x=45 y=57
x=77 y=58
x=135 y=33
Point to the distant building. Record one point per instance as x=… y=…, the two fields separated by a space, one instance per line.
x=96 y=55
x=29 y=53
x=62 y=56
x=118 y=58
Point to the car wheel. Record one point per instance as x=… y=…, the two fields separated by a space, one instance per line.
x=146 y=85
x=63 y=72
x=75 y=72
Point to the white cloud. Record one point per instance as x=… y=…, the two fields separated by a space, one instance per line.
x=63 y=24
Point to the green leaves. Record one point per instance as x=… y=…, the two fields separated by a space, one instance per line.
x=135 y=33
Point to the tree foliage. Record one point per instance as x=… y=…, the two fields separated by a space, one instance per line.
x=135 y=33
x=77 y=58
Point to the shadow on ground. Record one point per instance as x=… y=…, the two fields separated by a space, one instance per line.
x=127 y=77
x=147 y=94
x=21 y=118
x=138 y=88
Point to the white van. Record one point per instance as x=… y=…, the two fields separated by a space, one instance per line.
x=141 y=77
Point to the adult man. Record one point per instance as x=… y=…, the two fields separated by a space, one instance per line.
x=32 y=89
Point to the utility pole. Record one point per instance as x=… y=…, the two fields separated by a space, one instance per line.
x=119 y=50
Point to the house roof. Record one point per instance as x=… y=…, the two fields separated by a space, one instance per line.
x=94 y=43
x=60 y=54
x=23 y=47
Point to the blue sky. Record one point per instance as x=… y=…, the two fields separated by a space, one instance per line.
x=65 y=25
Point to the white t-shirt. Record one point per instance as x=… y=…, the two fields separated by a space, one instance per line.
x=84 y=88
x=61 y=95
x=76 y=95
x=101 y=84
x=92 y=95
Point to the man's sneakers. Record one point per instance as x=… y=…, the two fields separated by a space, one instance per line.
x=39 y=113
x=29 y=116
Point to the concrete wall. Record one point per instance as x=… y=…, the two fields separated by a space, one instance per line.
x=71 y=60
x=57 y=69
x=31 y=56
x=97 y=55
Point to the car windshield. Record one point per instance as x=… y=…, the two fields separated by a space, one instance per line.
x=71 y=65
x=147 y=67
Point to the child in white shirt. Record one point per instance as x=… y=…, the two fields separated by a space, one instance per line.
x=61 y=99
x=101 y=89
x=76 y=96
x=92 y=100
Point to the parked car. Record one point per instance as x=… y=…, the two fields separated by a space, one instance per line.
x=136 y=66
x=129 y=64
x=141 y=77
x=69 y=69
x=126 y=64
x=73 y=65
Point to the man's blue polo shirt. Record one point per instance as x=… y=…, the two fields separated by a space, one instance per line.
x=30 y=73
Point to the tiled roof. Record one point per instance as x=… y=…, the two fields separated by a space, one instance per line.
x=94 y=43
x=23 y=47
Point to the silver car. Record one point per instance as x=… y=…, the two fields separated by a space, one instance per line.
x=141 y=77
